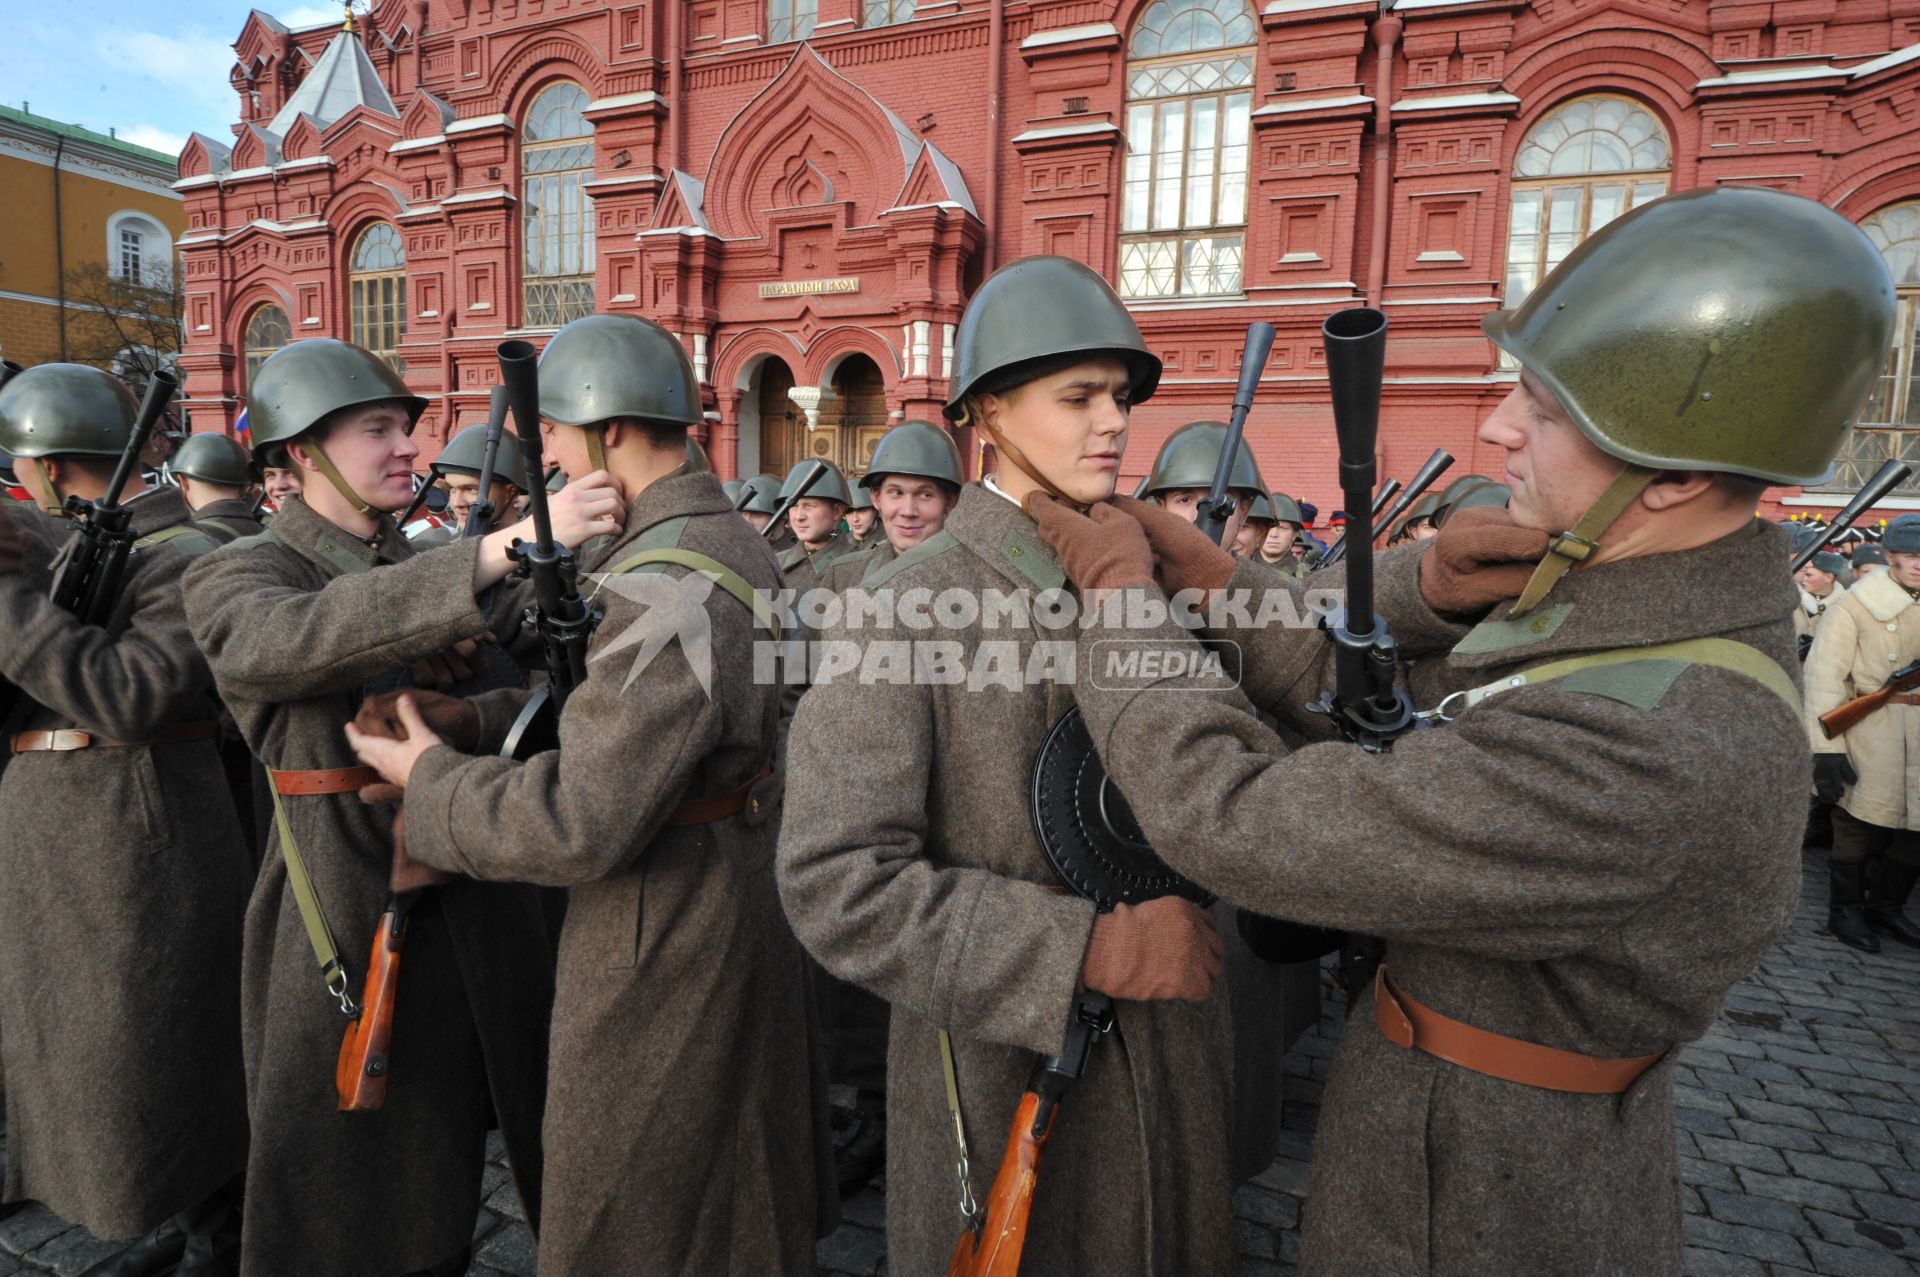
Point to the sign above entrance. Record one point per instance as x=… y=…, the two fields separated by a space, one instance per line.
x=810 y=287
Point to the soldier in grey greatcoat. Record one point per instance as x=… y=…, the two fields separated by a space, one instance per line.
x=298 y=624
x=123 y=871
x=910 y=865
x=684 y=1131
x=1503 y=1098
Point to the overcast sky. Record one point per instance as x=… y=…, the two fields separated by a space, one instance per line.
x=154 y=72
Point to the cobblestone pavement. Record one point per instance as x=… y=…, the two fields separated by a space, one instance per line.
x=1799 y=1137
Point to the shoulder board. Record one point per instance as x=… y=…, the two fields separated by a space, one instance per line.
x=934 y=546
x=257 y=539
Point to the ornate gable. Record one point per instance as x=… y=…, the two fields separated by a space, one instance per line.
x=426 y=116
x=810 y=137
x=934 y=180
x=683 y=206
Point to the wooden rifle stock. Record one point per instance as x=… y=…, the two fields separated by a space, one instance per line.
x=994 y=1251
x=366 y=1050
x=991 y=1246
x=1842 y=719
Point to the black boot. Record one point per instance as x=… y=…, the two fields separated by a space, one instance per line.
x=153 y=1254
x=213 y=1235
x=1886 y=902
x=863 y=1152
x=1846 y=910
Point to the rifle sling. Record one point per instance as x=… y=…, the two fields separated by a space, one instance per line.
x=969 y=1208
x=307 y=900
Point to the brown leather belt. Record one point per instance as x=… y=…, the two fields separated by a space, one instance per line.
x=62 y=739
x=326 y=780
x=705 y=811
x=1903 y=698
x=1407 y=1023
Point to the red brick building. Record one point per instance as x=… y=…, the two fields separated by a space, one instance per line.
x=806 y=191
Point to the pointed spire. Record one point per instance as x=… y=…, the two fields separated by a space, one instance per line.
x=342 y=79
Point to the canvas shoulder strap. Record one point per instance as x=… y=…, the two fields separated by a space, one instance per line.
x=1641 y=675
x=714 y=570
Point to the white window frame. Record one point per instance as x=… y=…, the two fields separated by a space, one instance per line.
x=155 y=245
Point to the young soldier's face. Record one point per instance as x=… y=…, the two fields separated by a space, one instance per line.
x=1867 y=569
x=280 y=484
x=912 y=509
x=1252 y=537
x=1072 y=425
x=813 y=519
x=1280 y=538
x=1423 y=531
x=463 y=490
x=1185 y=502
x=371 y=449
x=860 y=522
x=1815 y=582
x=759 y=521
x=1905 y=568
x=1555 y=473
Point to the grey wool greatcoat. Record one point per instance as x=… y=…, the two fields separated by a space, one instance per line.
x=123 y=880
x=226 y=521
x=909 y=865
x=685 y=1130
x=800 y=569
x=1581 y=866
x=295 y=623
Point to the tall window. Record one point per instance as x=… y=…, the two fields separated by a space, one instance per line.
x=137 y=249
x=377 y=288
x=883 y=13
x=556 y=159
x=1584 y=164
x=1184 y=204
x=267 y=331
x=794 y=19
x=130 y=241
x=1889 y=424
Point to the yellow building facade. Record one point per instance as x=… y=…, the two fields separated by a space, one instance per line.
x=79 y=211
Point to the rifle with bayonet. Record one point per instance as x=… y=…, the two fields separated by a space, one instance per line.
x=480 y=515
x=1108 y=862
x=95 y=559
x=1843 y=718
x=562 y=619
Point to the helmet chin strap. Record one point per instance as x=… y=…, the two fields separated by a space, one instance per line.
x=1016 y=458
x=1577 y=544
x=34 y=479
x=326 y=467
x=596 y=447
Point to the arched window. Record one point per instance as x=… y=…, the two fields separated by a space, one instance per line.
x=267 y=331
x=1889 y=424
x=377 y=288
x=791 y=19
x=139 y=250
x=1585 y=163
x=556 y=160
x=1184 y=202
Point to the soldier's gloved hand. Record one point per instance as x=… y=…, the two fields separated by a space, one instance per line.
x=1187 y=557
x=13 y=547
x=1481 y=557
x=453 y=720
x=407 y=873
x=1832 y=773
x=1164 y=948
x=449 y=668
x=1100 y=550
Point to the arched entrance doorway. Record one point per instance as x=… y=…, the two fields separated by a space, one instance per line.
x=860 y=396
x=782 y=426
